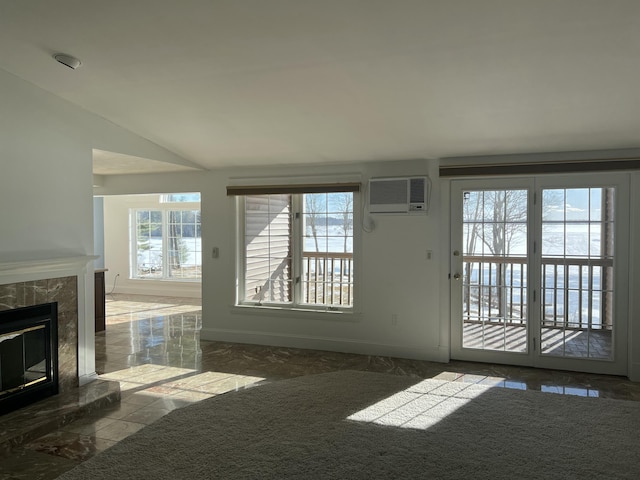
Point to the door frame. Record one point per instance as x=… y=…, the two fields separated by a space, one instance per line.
x=534 y=185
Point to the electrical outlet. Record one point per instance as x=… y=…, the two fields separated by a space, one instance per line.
x=429 y=254
x=394 y=319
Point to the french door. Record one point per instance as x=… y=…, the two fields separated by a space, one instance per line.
x=539 y=272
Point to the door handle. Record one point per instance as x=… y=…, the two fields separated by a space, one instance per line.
x=457 y=276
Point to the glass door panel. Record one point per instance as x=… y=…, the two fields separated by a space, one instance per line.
x=494 y=276
x=577 y=272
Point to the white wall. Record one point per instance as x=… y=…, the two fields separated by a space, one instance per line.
x=117 y=251
x=634 y=287
x=46 y=170
x=46 y=180
x=45 y=190
x=98 y=231
x=394 y=277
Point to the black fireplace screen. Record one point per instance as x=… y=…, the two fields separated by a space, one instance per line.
x=28 y=355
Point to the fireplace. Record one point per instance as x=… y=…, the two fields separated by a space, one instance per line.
x=67 y=282
x=28 y=355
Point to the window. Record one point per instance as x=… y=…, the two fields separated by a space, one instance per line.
x=167 y=244
x=297 y=250
x=180 y=197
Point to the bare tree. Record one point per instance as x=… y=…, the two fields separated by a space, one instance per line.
x=345 y=208
x=314 y=205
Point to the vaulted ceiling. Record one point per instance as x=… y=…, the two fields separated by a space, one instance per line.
x=251 y=82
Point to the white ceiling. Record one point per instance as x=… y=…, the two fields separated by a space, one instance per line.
x=251 y=82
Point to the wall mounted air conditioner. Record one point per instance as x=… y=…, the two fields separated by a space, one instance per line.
x=407 y=195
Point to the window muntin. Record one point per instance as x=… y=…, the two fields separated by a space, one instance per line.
x=297 y=250
x=167 y=244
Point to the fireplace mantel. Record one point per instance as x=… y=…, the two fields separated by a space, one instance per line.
x=38 y=269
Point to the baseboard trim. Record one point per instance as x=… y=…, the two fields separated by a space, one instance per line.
x=360 y=347
x=171 y=290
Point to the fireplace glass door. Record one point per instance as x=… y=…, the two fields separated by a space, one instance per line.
x=28 y=355
x=23 y=358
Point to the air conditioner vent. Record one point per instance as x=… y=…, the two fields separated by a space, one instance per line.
x=385 y=192
x=416 y=190
x=398 y=195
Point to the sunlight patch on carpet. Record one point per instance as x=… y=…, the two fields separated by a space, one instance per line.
x=422 y=405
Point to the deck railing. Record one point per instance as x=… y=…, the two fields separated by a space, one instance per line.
x=327 y=278
x=575 y=293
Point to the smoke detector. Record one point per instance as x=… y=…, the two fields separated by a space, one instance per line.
x=67 y=60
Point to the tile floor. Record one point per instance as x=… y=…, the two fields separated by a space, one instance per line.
x=152 y=347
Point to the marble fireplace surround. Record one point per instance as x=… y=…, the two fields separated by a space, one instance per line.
x=64 y=280
x=64 y=291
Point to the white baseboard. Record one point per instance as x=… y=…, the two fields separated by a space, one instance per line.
x=171 y=289
x=361 y=347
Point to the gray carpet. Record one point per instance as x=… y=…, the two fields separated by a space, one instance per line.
x=359 y=425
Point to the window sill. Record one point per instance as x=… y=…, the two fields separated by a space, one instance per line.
x=307 y=313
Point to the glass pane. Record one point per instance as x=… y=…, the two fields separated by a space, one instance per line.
x=11 y=361
x=184 y=244
x=577 y=204
x=279 y=290
x=35 y=355
x=472 y=206
x=578 y=238
x=595 y=203
x=149 y=244
x=268 y=248
x=553 y=205
x=553 y=238
x=327 y=257
x=595 y=240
